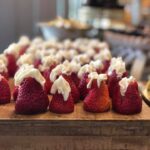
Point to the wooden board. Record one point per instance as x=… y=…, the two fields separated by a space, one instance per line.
x=7 y=113
x=78 y=130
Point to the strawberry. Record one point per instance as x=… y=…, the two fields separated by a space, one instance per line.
x=75 y=79
x=5 y=75
x=48 y=83
x=31 y=97
x=15 y=92
x=83 y=86
x=74 y=90
x=23 y=50
x=130 y=103
x=5 y=94
x=106 y=64
x=113 y=81
x=37 y=62
x=12 y=66
x=97 y=99
x=58 y=105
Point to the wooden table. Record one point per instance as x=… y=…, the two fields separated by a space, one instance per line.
x=78 y=130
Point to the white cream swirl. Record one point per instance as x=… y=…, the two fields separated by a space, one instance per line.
x=62 y=87
x=26 y=71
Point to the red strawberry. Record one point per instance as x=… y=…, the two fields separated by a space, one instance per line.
x=58 y=105
x=113 y=81
x=48 y=83
x=23 y=49
x=97 y=99
x=131 y=103
x=31 y=97
x=5 y=75
x=106 y=64
x=15 y=93
x=74 y=90
x=75 y=79
x=5 y=94
x=37 y=62
x=12 y=66
x=83 y=86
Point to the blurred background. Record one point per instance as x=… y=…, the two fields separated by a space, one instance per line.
x=124 y=24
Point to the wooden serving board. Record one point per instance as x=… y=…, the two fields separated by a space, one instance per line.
x=78 y=130
x=7 y=113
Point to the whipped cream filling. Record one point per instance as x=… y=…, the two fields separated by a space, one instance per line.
x=62 y=87
x=37 y=41
x=14 y=49
x=70 y=67
x=124 y=82
x=26 y=71
x=3 y=67
x=90 y=52
x=4 y=59
x=82 y=59
x=25 y=59
x=24 y=41
x=118 y=65
x=103 y=55
x=47 y=62
x=85 y=69
x=55 y=72
x=95 y=76
x=97 y=64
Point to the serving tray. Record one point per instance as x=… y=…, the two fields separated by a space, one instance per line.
x=77 y=130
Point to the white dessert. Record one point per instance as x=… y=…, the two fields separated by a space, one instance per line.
x=62 y=87
x=3 y=67
x=26 y=71
x=118 y=65
x=124 y=82
x=98 y=77
x=14 y=49
x=25 y=59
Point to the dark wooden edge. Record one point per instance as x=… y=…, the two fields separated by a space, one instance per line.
x=74 y=128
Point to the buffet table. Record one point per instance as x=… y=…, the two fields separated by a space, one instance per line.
x=78 y=130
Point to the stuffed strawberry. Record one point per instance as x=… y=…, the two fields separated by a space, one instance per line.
x=31 y=97
x=97 y=100
x=47 y=65
x=116 y=72
x=5 y=94
x=83 y=75
x=62 y=101
x=66 y=69
x=12 y=54
x=24 y=43
x=127 y=99
x=98 y=65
